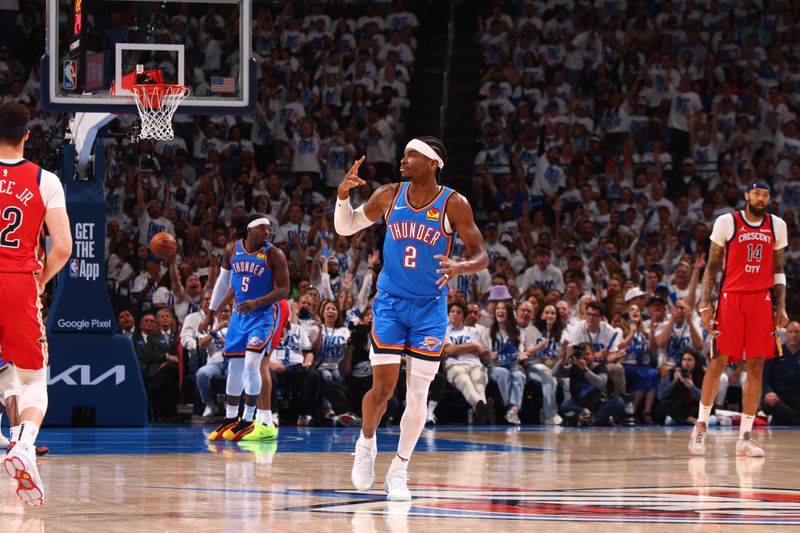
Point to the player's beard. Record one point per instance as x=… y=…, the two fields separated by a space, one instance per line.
x=756 y=211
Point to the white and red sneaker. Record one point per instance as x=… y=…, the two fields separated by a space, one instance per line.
x=747 y=447
x=20 y=465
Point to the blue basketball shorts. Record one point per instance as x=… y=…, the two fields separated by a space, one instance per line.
x=409 y=326
x=251 y=332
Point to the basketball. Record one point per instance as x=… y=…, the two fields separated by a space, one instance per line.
x=163 y=245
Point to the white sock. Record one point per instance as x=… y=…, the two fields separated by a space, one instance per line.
x=746 y=426
x=15 y=434
x=249 y=411
x=231 y=411
x=370 y=442
x=398 y=462
x=705 y=410
x=264 y=416
x=28 y=432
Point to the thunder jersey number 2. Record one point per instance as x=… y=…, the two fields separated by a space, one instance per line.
x=410 y=257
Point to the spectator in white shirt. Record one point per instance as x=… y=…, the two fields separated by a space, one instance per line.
x=542 y=274
x=463 y=364
x=213 y=342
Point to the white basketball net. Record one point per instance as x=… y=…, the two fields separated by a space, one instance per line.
x=157 y=104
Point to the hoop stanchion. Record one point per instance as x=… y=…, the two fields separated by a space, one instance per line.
x=157 y=104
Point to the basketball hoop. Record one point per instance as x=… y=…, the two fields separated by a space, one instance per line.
x=157 y=103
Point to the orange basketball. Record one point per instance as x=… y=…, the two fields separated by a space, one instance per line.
x=163 y=245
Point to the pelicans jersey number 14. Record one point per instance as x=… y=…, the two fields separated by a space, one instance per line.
x=410 y=310
x=744 y=312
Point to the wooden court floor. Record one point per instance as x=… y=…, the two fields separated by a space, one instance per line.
x=172 y=479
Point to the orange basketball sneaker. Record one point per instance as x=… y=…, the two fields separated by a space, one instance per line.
x=236 y=432
x=226 y=424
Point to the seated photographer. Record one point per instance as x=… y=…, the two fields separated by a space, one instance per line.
x=605 y=342
x=589 y=389
x=679 y=391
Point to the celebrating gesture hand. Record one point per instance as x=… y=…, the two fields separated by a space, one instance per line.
x=351 y=180
x=449 y=270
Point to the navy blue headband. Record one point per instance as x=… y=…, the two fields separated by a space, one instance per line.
x=758 y=185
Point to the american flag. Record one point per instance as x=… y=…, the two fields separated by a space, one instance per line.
x=220 y=84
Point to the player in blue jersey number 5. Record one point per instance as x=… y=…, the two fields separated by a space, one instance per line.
x=410 y=307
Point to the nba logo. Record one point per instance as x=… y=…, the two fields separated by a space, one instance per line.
x=70 y=75
x=73 y=268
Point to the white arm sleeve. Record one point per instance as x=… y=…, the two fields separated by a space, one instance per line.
x=346 y=221
x=220 y=288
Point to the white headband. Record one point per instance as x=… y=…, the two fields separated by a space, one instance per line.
x=264 y=221
x=425 y=149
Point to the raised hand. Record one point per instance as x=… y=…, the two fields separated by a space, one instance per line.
x=347 y=282
x=700 y=262
x=373 y=258
x=351 y=180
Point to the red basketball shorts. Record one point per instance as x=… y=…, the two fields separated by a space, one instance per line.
x=283 y=318
x=745 y=325
x=22 y=333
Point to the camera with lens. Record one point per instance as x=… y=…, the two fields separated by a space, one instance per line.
x=579 y=351
x=685 y=373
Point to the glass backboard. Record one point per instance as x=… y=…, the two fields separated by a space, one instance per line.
x=97 y=48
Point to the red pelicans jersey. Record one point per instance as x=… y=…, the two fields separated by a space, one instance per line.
x=749 y=251
x=26 y=193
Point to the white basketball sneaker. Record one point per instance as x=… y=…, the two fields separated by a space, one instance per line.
x=363 y=473
x=396 y=485
x=697 y=443
x=748 y=448
x=20 y=465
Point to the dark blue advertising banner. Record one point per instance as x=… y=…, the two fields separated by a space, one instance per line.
x=92 y=369
x=81 y=303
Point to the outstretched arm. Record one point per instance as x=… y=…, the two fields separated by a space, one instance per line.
x=348 y=221
x=459 y=213
x=716 y=255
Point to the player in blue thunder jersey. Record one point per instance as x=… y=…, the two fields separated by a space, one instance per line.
x=259 y=276
x=410 y=307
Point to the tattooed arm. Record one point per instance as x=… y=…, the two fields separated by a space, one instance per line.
x=715 y=258
x=781 y=318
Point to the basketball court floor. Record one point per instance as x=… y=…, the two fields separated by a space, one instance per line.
x=170 y=478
